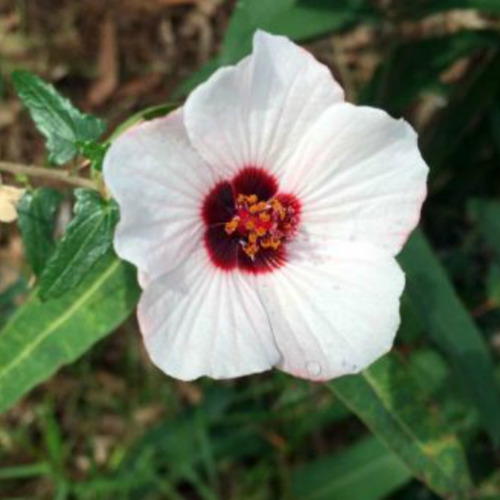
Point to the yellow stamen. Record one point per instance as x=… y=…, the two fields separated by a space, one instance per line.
x=260 y=224
x=251 y=250
x=231 y=226
x=252 y=238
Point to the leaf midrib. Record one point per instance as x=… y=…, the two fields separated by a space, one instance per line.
x=60 y=117
x=60 y=320
x=405 y=430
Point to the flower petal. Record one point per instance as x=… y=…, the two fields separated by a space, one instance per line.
x=252 y=114
x=9 y=197
x=198 y=320
x=359 y=176
x=159 y=182
x=8 y=211
x=334 y=308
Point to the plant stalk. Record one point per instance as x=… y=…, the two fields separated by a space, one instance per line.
x=46 y=173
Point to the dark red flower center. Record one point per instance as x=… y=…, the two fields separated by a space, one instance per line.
x=248 y=222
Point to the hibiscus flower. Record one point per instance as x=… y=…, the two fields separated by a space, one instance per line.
x=264 y=217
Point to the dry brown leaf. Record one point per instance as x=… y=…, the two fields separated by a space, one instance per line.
x=190 y=391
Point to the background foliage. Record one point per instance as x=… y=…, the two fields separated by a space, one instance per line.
x=422 y=423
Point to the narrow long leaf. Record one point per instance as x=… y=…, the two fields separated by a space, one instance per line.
x=452 y=329
x=365 y=471
x=41 y=337
x=472 y=100
x=387 y=400
x=486 y=213
x=412 y=68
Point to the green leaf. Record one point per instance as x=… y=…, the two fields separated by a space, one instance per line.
x=489 y=489
x=41 y=337
x=472 y=99
x=486 y=213
x=2 y=87
x=10 y=297
x=429 y=370
x=493 y=285
x=387 y=400
x=297 y=19
x=495 y=125
x=451 y=328
x=55 y=117
x=147 y=114
x=365 y=471
x=94 y=152
x=88 y=237
x=37 y=211
x=309 y=19
x=413 y=68
x=25 y=471
x=436 y=379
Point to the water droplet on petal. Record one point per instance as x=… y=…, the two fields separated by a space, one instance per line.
x=313 y=369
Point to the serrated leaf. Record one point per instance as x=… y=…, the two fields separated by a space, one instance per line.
x=366 y=470
x=55 y=117
x=36 y=211
x=42 y=337
x=450 y=326
x=388 y=401
x=88 y=236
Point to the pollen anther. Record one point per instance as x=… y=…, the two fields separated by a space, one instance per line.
x=261 y=224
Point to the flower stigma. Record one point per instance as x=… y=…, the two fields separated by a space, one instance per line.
x=261 y=224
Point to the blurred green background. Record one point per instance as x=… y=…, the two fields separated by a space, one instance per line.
x=424 y=422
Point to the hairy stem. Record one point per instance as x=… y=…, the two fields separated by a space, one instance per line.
x=47 y=173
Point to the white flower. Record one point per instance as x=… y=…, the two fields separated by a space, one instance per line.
x=264 y=217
